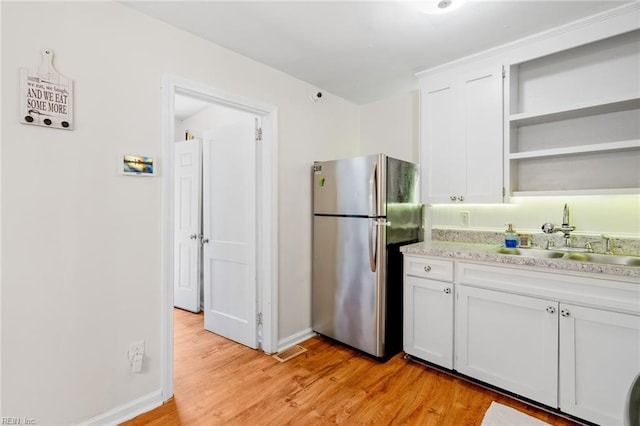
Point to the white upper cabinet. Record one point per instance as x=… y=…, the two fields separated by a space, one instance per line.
x=574 y=120
x=461 y=136
x=556 y=113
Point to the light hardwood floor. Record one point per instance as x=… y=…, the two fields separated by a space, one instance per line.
x=218 y=381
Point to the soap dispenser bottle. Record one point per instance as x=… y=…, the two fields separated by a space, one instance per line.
x=510 y=237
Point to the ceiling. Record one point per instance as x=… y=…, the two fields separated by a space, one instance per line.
x=363 y=51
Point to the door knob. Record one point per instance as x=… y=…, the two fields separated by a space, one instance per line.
x=551 y=309
x=205 y=241
x=565 y=313
x=447 y=290
x=193 y=236
x=427 y=268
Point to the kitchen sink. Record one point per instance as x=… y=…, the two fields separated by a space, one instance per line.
x=609 y=259
x=531 y=252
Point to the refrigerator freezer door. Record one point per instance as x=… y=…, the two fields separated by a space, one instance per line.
x=350 y=187
x=348 y=297
x=402 y=182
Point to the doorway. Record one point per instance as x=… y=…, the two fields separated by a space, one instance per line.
x=265 y=181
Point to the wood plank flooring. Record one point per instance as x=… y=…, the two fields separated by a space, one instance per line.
x=218 y=381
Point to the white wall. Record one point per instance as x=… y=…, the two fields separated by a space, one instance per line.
x=390 y=126
x=1 y=221
x=81 y=245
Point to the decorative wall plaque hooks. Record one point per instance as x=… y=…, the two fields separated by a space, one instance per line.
x=46 y=96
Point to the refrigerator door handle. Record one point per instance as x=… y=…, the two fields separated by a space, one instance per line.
x=373 y=228
x=373 y=223
x=373 y=190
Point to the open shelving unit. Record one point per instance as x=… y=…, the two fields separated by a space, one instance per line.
x=573 y=123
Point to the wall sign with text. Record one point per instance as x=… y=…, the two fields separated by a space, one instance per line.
x=46 y=97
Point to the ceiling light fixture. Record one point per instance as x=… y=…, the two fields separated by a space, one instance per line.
x=436 y=7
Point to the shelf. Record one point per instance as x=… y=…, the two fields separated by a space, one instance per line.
x=603 y=106
x=608 y=191
x=584 y=149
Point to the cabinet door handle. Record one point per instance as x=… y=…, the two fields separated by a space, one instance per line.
x=205 y=241
x=551 y=309
x=453 y=198
x=460 y=198
x=565 y=313
x=193 y=236
x=427 y=268
x=447 y=290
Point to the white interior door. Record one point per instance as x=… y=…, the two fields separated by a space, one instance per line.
x=187 y=217
x=229 y=229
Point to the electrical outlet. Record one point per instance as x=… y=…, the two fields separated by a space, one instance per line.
x=465 y=219
x=135 y=355
x=136 y=349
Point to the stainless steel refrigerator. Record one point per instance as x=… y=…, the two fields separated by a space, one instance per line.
x=364 y=209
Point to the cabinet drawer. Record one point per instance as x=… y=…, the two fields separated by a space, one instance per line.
x=426 y=267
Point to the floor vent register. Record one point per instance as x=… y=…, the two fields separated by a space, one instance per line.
x=290 y=353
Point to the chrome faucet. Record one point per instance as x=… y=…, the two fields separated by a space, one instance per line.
x=565 y=228
x=565 y=215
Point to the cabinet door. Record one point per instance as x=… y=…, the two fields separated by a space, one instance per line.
x=461 y=137
x=509 y=341
x=599 y=357
x=482 y=100
x=428 y=320
x=442 y=135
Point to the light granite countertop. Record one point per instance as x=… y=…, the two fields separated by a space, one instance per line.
x=488 y=253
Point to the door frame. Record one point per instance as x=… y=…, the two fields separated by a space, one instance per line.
x=266 y=214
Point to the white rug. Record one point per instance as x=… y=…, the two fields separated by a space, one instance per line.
x=501 y=415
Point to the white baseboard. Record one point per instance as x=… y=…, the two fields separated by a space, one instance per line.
x=296 y=338
x=127 y=411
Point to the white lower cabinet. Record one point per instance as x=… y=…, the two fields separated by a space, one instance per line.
x=599 y=357
x=428 y=310
x=509 y=341
x=569 y=341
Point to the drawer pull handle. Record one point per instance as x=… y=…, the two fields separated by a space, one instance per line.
x=427 y=268
x=565 y=313
x=447 y=290
x=551 y=309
